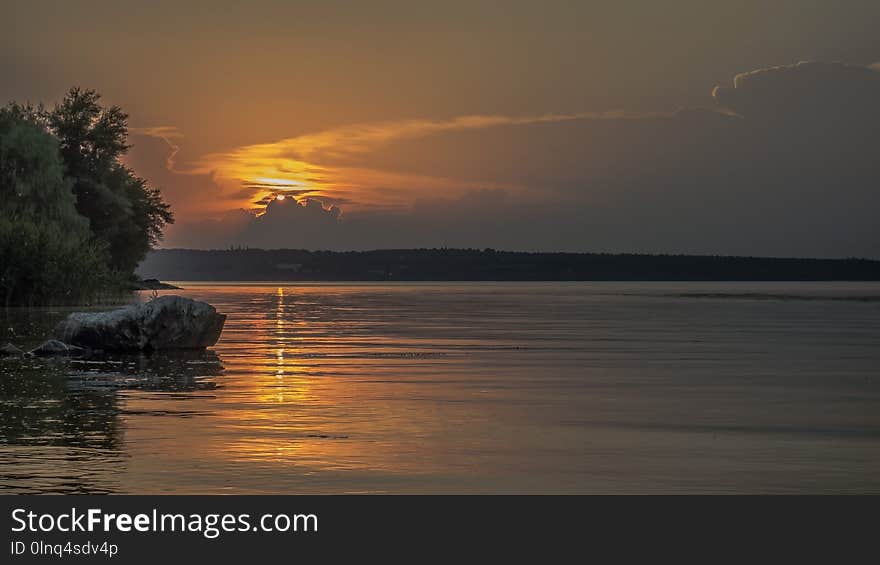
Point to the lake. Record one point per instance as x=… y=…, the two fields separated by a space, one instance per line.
x=466 y=388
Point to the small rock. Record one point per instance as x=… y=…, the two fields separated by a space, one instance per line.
x=53 y=347
x=9 y=349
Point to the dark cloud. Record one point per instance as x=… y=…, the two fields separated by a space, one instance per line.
x=287 y=223
x=808 y=92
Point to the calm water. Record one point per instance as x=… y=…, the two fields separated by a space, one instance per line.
x=514 y=388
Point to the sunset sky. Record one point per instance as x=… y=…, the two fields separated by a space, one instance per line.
x=580 y=126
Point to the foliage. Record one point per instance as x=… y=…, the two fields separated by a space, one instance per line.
x=74 y=221
x=43 y=263
x=32 y=183
x=123 y=210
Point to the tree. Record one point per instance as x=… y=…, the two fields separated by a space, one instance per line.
x=123 y=211
x=32 y=183
x=145 y=215
x=47 y=254
x=74 y=220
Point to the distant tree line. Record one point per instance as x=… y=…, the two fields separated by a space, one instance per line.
x=74 y=220
x=486 y=265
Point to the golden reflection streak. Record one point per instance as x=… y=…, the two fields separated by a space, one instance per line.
x=273 y=419
x=288 y=409
x=279 y=335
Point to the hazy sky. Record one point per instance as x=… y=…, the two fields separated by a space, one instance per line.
x=519 y=125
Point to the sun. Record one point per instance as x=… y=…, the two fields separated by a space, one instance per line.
x=280 y=197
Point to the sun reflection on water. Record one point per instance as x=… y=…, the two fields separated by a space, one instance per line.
x=280 y=334
x=309 y=402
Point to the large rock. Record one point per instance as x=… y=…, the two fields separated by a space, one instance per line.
x=168 y=322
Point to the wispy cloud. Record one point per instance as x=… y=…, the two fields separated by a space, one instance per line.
x=169 y=134
x=360 y=138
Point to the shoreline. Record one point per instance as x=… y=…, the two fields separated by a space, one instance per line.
x=152 y=284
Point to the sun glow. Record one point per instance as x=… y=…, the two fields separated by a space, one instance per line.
x=280 y=197
x=278 y=182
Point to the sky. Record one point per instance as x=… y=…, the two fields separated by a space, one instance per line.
x=683 y=126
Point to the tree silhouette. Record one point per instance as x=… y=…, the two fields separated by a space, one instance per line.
x=123 y=210
x=32 y=182
x=47 y=253
x=74 y=221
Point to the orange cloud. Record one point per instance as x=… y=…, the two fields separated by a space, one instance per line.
x=315 y=162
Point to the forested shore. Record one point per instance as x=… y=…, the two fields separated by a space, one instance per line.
x=485 y=264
